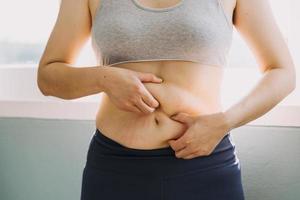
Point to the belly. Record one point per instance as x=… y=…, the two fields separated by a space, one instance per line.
x=188 y=87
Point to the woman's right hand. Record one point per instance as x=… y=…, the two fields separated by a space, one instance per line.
x=126 y=90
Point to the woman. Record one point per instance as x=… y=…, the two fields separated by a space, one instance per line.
x=161 y=132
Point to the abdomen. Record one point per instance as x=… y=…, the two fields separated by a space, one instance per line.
x=187 y=87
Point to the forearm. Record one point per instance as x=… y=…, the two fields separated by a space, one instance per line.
x=68 y=82
x=273 y=87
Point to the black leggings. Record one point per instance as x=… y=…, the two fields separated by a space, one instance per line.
x=114 y=172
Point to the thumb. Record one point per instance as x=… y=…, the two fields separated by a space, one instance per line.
x=184 y=118
x=148 y=77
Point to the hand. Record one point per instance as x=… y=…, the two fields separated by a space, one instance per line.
x=126 y=90
x=202 y=135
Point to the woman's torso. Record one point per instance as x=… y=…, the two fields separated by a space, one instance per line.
x=189 y=87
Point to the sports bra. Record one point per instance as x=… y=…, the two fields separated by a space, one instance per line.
x=191 y=30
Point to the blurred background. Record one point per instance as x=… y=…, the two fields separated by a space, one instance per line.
x=37 y=159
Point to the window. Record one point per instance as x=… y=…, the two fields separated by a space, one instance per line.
x=25 y=28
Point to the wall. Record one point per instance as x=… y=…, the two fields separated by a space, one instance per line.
x=44 y=159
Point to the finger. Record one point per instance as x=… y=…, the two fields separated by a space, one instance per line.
x=180 y=143
x=184 y=118
x=144 y=107
x=190 y=156
x=149 y=77
x=130 y=107
x=176 y=147
x=134 y=108
x=149 y=99
x=184 y=152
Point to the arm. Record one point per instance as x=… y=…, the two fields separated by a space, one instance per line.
x=56 y=75
x=254 y=20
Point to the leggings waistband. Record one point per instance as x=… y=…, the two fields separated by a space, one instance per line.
x=119 y=149
x=107 y=154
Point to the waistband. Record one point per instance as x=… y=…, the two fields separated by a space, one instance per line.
x=107 y=154
x=120 y=149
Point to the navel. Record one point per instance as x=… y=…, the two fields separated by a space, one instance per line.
x=156 y=121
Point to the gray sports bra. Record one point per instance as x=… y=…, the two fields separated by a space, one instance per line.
x=192 y=30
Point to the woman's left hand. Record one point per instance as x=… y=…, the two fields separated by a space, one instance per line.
x=202 y=135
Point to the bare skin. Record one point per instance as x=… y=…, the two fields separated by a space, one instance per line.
x=136 y=108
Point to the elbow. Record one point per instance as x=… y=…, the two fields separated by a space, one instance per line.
x=287 y=77
x=292 y=83
x=42 y=88
x=46 y=86
x=41 y=81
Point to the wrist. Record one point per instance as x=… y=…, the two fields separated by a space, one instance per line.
x=227 y=121
x=103 y=79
